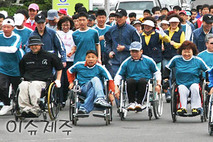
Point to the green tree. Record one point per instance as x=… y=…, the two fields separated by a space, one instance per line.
x=11 y=6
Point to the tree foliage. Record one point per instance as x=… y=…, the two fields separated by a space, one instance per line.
x=11 y=7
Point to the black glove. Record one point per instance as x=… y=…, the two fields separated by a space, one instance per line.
x=165 y=85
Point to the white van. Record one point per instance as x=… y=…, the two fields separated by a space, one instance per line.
x=137 y=6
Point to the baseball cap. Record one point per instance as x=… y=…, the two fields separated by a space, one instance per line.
x=188 y=13
x=174 y=19
x=35 y=40
x=19 y=19
x=182 y=12
x=91 y=17
x=135 y=46
x=121 y=12
x=208 y=18
x=40 y=18
x=62 y=11
x=8 y=21
x=51 y=14
x=149 y=23
x=93 y=52
x=33 y=6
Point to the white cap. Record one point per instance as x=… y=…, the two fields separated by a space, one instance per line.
x=8 y=22
x=174 y=19
x=4 y=13
x=149 y=23
x=19 y=19
x=164 y=22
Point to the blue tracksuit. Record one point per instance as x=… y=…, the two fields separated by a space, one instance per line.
x=199 y=38
x=10 y=54
x=52 y=42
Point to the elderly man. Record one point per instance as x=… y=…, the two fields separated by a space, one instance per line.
x=207 y=55
x=137 y=70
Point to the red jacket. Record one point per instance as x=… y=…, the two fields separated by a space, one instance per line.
x=28 y=24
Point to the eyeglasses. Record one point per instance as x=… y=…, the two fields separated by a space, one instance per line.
x=211 y=42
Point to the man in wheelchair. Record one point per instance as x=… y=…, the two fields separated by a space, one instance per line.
x=137 y=70
x=89 y=74
x=187 y=70
x=36 y=68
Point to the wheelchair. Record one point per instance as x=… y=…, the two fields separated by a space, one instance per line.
x=76 y=98
x=48 y=103
x=154 y=100
x=210 y=116
x=175 y=102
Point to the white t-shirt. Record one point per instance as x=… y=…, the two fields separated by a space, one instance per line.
x=68 y=43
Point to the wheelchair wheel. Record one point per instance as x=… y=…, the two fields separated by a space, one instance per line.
x=44 y=115
x=71 y=107
x=204 y=102
x=122 y=100
x=15 y=106
x=53 y=101
x=173 y=103
x=108 y=116
x=210 y=116
x=150 y=113
x=158 y=105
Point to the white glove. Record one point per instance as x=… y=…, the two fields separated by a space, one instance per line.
x=58 y=83
x=161 y=32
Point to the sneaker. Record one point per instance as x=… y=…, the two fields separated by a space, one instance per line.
x=131 y=106
x=102 y=103
x=82 y=110
x=32 y=114
x=181 y=111
x=5 y=109
x=168 y=99
x=195 y=111
x=138 y=107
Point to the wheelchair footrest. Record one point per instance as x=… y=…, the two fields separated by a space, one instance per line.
x=102 y=115
x=82 y=115
x=187 y=115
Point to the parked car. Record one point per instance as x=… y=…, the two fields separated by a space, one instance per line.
x=184 y=4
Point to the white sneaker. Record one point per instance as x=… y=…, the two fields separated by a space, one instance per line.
x=5 y=109
x=131 y=106
x=138 y=107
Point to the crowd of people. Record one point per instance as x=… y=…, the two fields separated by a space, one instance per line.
x=39 y=45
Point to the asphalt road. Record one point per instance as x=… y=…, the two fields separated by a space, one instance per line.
x=136 y=127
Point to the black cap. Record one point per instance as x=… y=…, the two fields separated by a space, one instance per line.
x=121 y=12
x=208 y=18
x=93 y=52
x=40 y=18
x=91 y=17
x=35 y=40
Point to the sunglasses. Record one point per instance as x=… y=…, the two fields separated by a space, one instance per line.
x=211 y=42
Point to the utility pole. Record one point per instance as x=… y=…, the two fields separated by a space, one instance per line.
x=107 y=6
